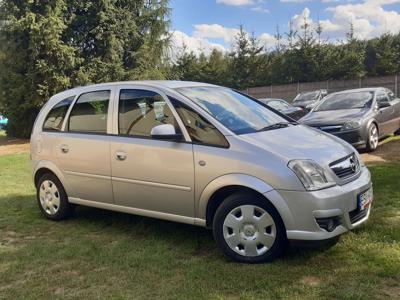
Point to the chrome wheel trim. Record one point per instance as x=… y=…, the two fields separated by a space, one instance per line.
x=49 y=197
x=373 y=138
x=249 y=230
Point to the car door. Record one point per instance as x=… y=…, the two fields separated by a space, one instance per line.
x=83 y=149
x=385 y=114
x=147 y=173
x=395 y=103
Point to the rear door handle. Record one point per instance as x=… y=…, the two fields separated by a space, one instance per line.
x=64 y=148
x=120 y=155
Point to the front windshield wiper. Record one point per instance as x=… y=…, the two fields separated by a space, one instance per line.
x=277 y=126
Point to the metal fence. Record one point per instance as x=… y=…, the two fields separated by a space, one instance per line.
x=289 y=91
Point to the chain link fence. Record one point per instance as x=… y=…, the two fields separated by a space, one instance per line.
x=289 y=91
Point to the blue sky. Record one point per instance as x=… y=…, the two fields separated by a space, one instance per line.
x=208 y=24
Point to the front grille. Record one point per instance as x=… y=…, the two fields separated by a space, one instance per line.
x=356 y=215
x=345 y=167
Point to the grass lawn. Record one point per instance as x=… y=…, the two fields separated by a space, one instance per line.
x=101 y=254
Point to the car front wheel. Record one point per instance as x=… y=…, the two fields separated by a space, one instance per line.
x=248 y=229
x=373 y=138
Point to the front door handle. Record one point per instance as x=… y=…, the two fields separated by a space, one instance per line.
x=64 y=148
x=120 y=155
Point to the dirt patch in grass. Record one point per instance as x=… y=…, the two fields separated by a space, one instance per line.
x=311 y=281
x=12 y=146
x=387 y=152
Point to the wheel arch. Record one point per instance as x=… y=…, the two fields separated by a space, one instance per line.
x=220 y=188
x=375 y=122
x=44 y=167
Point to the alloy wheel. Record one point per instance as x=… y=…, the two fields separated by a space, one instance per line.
x=374 y=137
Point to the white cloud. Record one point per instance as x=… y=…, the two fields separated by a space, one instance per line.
x=260 y=9
x=236 y=2
x=180 y=40
x=199 y=41
x=298 y=20
x=369 y=19
x=255 y=5
x=215 y=31
x=294 y=1
x=267 y=40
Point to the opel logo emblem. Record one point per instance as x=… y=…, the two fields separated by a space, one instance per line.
x=352 y=164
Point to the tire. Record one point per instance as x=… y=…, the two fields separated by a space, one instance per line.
x=248 y=229
x=373 y=138
x=52 y=198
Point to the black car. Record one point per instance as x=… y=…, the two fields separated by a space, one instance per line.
x=284 y=107
x=307 y=100
x=360 y=117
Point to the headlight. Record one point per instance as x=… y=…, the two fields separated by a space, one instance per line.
x=311 y=175
x=351 y=125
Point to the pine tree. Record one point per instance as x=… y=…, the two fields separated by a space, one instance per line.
x=386 y=55
x=36 y=63
x=352 y=57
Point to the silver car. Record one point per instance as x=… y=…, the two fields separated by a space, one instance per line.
x=198 y=154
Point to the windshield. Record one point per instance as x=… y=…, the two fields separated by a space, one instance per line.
x=278 y=105
x=235 y=111
x=346 y=101
x=306 y=96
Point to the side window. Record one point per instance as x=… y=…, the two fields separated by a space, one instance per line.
x=141 y=110
x=90 y=112
x=200 y=130
x=55 y=117
x=382 y=98
x=391 y=95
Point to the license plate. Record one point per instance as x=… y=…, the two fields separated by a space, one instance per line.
x=364 y=199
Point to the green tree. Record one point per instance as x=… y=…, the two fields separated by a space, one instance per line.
x=245 y=58
x=36 y=62
x=382 y=55
x=119 y=39
x=351 y=58
x=48 y=46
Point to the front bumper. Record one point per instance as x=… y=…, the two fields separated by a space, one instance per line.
x=301 y=209
x=355 y=137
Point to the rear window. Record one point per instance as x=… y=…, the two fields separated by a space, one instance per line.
x=89 y=114
x=55 y=117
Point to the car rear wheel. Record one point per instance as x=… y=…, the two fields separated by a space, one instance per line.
x=373 y=138
x=248 y=229
x=52 y=198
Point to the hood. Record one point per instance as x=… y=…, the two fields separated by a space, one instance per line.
x=333 y=117
x=300 y=142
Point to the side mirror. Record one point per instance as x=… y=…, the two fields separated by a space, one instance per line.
x=383 y=104
x=165 y=132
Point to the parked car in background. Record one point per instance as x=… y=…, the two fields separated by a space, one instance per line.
x=284 y=107
x=360 y=117
x=307 y=100
x=3 y=122
x=199 y=154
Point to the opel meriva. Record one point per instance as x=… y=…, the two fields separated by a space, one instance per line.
x=198 y=154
